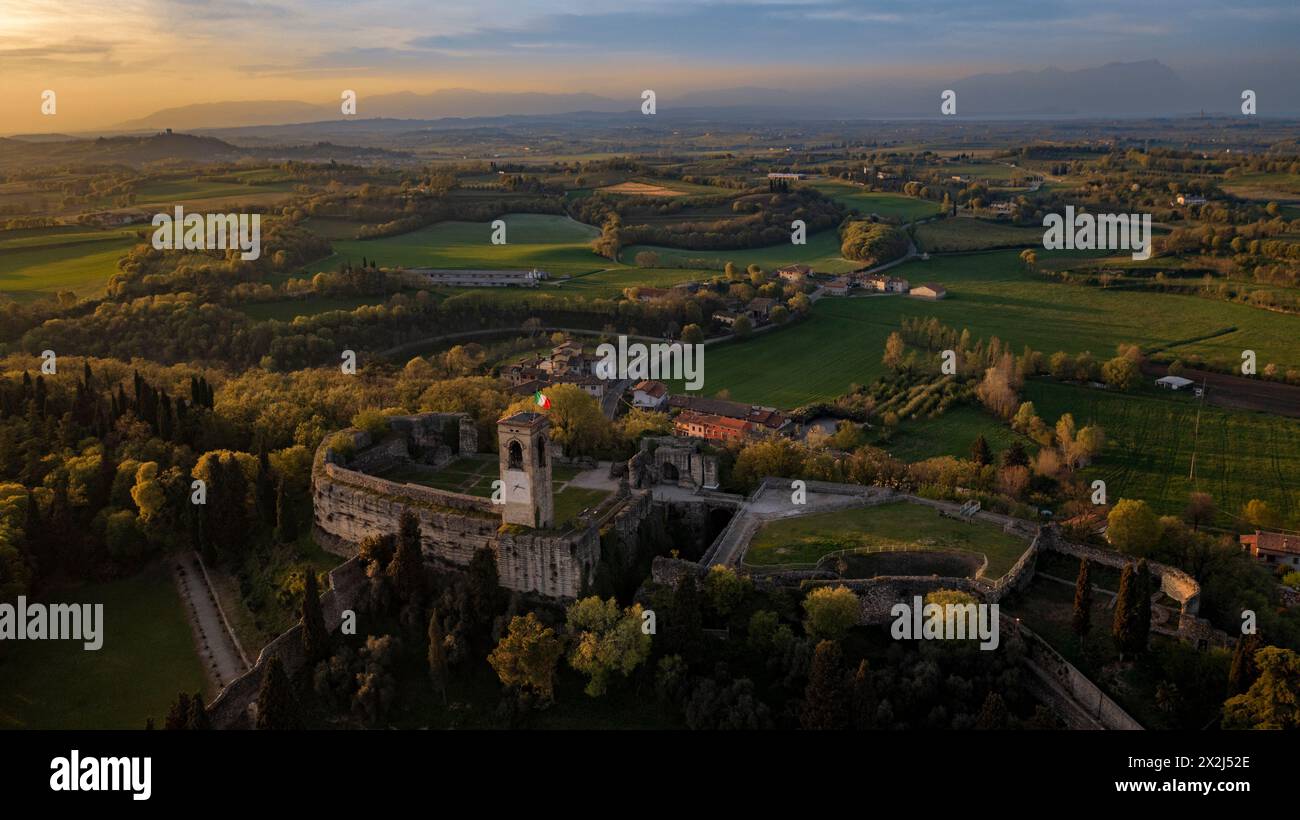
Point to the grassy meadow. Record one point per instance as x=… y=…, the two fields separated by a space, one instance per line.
x=806 y=538
x=148 y=657
x=896 y=206
x=992 y=295
x=553 y=243
x=39 y=262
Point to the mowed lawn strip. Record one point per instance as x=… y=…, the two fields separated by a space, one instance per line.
x=805 y=539
x=148 y=656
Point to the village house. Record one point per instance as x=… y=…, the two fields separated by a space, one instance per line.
x=726 y=317
x=710 y=428
x=884 y=284
x=764 y=419
x=837 y=287
x=1273 y=548
x=650 y=395
x=930 y=290
x=794 y=273
x=760 y=308
x=523 y=371
x=1189 y=199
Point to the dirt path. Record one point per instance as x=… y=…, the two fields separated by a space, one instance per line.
x=222 y=656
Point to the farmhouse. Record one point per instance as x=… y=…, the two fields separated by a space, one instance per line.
x=793 y=273
x=710 y=427
x=837 y=287
x=1173 y=382
x=650 y=395
x=930 y=290
x=1273 y=547
x=764 y=419
x=726 y=317
x=646 y=294
x=884 y=284
x=1188 y=199
x=482 y=278
x=784 y=176
x=760 y=308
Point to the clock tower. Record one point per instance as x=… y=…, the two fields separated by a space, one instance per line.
x=526 y=470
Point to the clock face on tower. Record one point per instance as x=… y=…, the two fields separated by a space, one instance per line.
x=518 y=487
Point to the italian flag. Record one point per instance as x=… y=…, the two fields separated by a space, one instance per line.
x=541 y=400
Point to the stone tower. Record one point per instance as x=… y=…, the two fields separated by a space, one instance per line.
x=526 y=470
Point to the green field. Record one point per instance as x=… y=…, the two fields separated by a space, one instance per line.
x=198 y=192
x=1150 y=438
x=553 y=243
x=286 y=309
x=38 y=263
x=148 y=657
x=822 y=252
x=951 y=434
x=991 y=294
x=886 y=205
x=805 y=539
x=963 y=234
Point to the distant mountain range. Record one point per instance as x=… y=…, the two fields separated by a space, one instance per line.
x=162 y=147
x=1136 y=89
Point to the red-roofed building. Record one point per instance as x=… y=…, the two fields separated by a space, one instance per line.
x=650 y=395
x=709 y=427
x=1273 y=548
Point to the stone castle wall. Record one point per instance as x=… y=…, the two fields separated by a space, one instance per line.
x=351 y=505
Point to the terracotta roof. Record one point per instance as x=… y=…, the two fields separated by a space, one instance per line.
x=654 y=389
x=712 y=420
x=1273 y=542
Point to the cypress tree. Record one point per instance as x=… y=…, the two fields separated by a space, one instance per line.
x=437 y=657
x=267 y=502
x=1146 y=585
x=1127 y=626
x=865 y=701
x=484 y=587
x=980 y=452
x=178 y=716
x=315 y=637
x=826 y=698
x=286 y=526
x=1244 y=670
x=684 y=635
x=1081 y=621
x=407 y=568
x=277 y=708
x=993 y=714
x=198 y=715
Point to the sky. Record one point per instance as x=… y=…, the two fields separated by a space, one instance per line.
x=114 y=60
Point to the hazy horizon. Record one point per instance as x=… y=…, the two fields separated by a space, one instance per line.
x=113 y=65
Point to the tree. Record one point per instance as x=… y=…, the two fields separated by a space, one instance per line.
x=607 y=641
x=993 y=714
x=826 y=703
x=1244 y=670
x=831 y=612
x=286 y=526
x=198 y=719
x=686 y=619
x=1273 y=700
x=438 y=667
x=724 y=589
x=277 y=708
x=1127 y=626
x=525 y=658
x=1121 y=373
x=742 y=326
x=1261 y=515
x=407 y=568
x=980 y=452
x=484 y=588
x=1200 y=509
x=895 y=348
x=865 y=701
x=692 y=335
x=1081 y=621
x=178 y=717
x=1132 y=527
x=315 y=637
